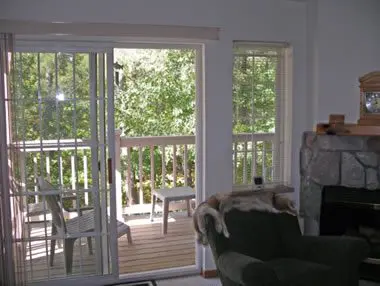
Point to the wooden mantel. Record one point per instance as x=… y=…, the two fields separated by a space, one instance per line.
x=350 y=129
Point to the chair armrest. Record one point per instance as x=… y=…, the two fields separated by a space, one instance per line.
x=246 y=270
x=79 y=210
x=334 y=250
x=218 y=243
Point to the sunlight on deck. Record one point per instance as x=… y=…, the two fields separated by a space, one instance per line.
x=150 y=250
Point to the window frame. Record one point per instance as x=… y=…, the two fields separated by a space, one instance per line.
x=282 y=151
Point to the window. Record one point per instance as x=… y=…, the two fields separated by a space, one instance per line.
x=260 y=100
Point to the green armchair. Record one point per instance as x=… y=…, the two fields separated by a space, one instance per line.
x=266 y=249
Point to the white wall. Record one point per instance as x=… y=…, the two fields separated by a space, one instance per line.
x=255 y=20
x=345 y=46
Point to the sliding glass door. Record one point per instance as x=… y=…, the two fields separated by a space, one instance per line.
x=62 y=153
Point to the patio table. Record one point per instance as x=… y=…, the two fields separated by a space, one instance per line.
x=168 y=195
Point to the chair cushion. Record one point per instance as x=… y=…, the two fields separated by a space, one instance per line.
x=254 y=233
x=294 y=272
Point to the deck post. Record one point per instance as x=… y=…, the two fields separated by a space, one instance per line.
x=119 y=194
x=22 y=165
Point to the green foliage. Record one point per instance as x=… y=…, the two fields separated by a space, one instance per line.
x=254 y=103
x=37 y=86
x=156 y=94
x=254 y=94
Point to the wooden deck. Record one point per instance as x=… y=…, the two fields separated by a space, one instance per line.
x=150 y=250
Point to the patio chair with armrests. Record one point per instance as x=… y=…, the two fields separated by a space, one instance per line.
x=68 y=228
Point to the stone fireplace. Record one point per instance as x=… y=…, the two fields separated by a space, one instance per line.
x=331 y=160
x=340 y=190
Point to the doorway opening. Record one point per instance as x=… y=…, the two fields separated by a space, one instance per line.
x=155 y=120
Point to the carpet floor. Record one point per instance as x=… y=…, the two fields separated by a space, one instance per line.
x=200 y=281
x=189 y=281
x=147 y=283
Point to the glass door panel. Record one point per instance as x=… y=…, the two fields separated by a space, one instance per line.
x=60 y=134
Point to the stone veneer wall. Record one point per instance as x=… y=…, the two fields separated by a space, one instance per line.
x=337 y=160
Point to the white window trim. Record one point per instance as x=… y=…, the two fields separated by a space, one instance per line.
x=287 y=117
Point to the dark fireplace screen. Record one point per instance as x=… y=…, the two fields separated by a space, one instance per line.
x=354 y=212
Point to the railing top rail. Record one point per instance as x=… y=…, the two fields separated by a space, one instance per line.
x=253 y=137
x=156 y=140
x=51 y=145
x=185 y=139
x=70 y=144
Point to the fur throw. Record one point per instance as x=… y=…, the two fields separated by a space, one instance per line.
x=218 y=205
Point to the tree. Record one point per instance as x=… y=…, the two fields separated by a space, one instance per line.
x=254 y=103
x=156 y=95
x=254 y=94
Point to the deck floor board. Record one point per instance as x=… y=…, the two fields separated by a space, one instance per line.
x=150 y=250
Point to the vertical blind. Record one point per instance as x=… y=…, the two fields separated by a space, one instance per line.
x=259 y=98
x=3 y=247
x=10 y=208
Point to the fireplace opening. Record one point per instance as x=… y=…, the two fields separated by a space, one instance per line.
x=354 y=212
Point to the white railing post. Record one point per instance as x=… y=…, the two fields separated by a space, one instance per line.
x=85 y=178
x=119 y=193
x=245 y=160
x=152 y=171
x=235 y=162
x=129 y=177
x=163 y=167
x=35 y=178
x=23 y=177
x=73 y=179
x=48 y=176
x=174 y=165
x=141 y=189
x=185 y=170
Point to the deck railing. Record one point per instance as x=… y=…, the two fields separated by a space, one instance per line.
x=146 y=163
x=142 y=164
x=254 y=155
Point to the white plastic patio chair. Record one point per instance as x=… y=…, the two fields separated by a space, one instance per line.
x=68 y=228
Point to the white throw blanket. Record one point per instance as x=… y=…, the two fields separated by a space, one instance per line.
x=220 y=204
